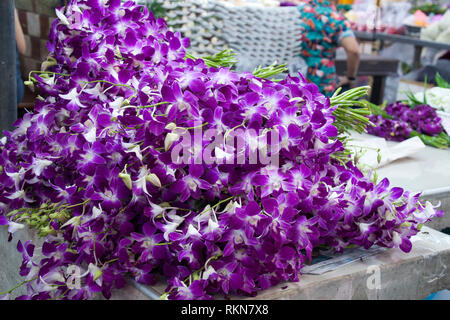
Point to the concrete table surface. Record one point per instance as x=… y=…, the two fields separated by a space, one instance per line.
x=428 y=172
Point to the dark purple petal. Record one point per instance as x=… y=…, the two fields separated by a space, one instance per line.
x=48 y=248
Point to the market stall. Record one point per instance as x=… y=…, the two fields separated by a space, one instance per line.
x=418 y=44
x=421 y=25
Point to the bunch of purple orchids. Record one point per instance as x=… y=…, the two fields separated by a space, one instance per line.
x=94 y=169
x=400 y=121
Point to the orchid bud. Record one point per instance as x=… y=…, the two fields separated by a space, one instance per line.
x=153 y=179
x=62 y=18
x=171 y=126
x=389 y=216
x=45 y=231
x=29 y=84
x=170 y=139
x=406 y=224
x=63 y=217
x=43 y=219
x=47 y=64
x=126 y=178
x=74 y=221
x=95 y=271
x=164 y=204
x=53 y=215
x=97 y=274
x=117 y=52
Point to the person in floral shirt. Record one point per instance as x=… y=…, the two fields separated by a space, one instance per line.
x=324 y=30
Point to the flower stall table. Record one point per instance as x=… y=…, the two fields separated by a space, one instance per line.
x=412 y=275
x=417 y=43
x=428 y=172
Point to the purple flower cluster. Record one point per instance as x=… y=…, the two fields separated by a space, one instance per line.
x=91 y=167
x=421 y=118
x=389 y=129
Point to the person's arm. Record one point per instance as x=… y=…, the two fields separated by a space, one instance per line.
x=351 y=48
x=20 y=38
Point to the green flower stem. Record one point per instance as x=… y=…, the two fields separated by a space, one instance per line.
x=269 y=71
x=17 y=286
x=154 y=105
x=76 y=205
x=61 y=296
x=46 y=72
x=222 y=201
x=113 y=84
x=163 y=244
x=196 y=274
x=350 y=113
x=111 y=261
x=191 y=128
x=225 y=58
x=217 y=204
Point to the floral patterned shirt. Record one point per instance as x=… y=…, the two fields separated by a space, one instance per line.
x=322 y=29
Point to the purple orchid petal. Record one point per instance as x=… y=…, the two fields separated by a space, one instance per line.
x=270 y=204
x=48 y=248
x=260 y=180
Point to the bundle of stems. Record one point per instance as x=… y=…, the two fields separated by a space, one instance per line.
x=440 y=141
x=269 y=71
x=225 y=58
x=351 y=112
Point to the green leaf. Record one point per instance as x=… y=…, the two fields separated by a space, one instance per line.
x=425 y=90
x=412 y=99
x=441 y=83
